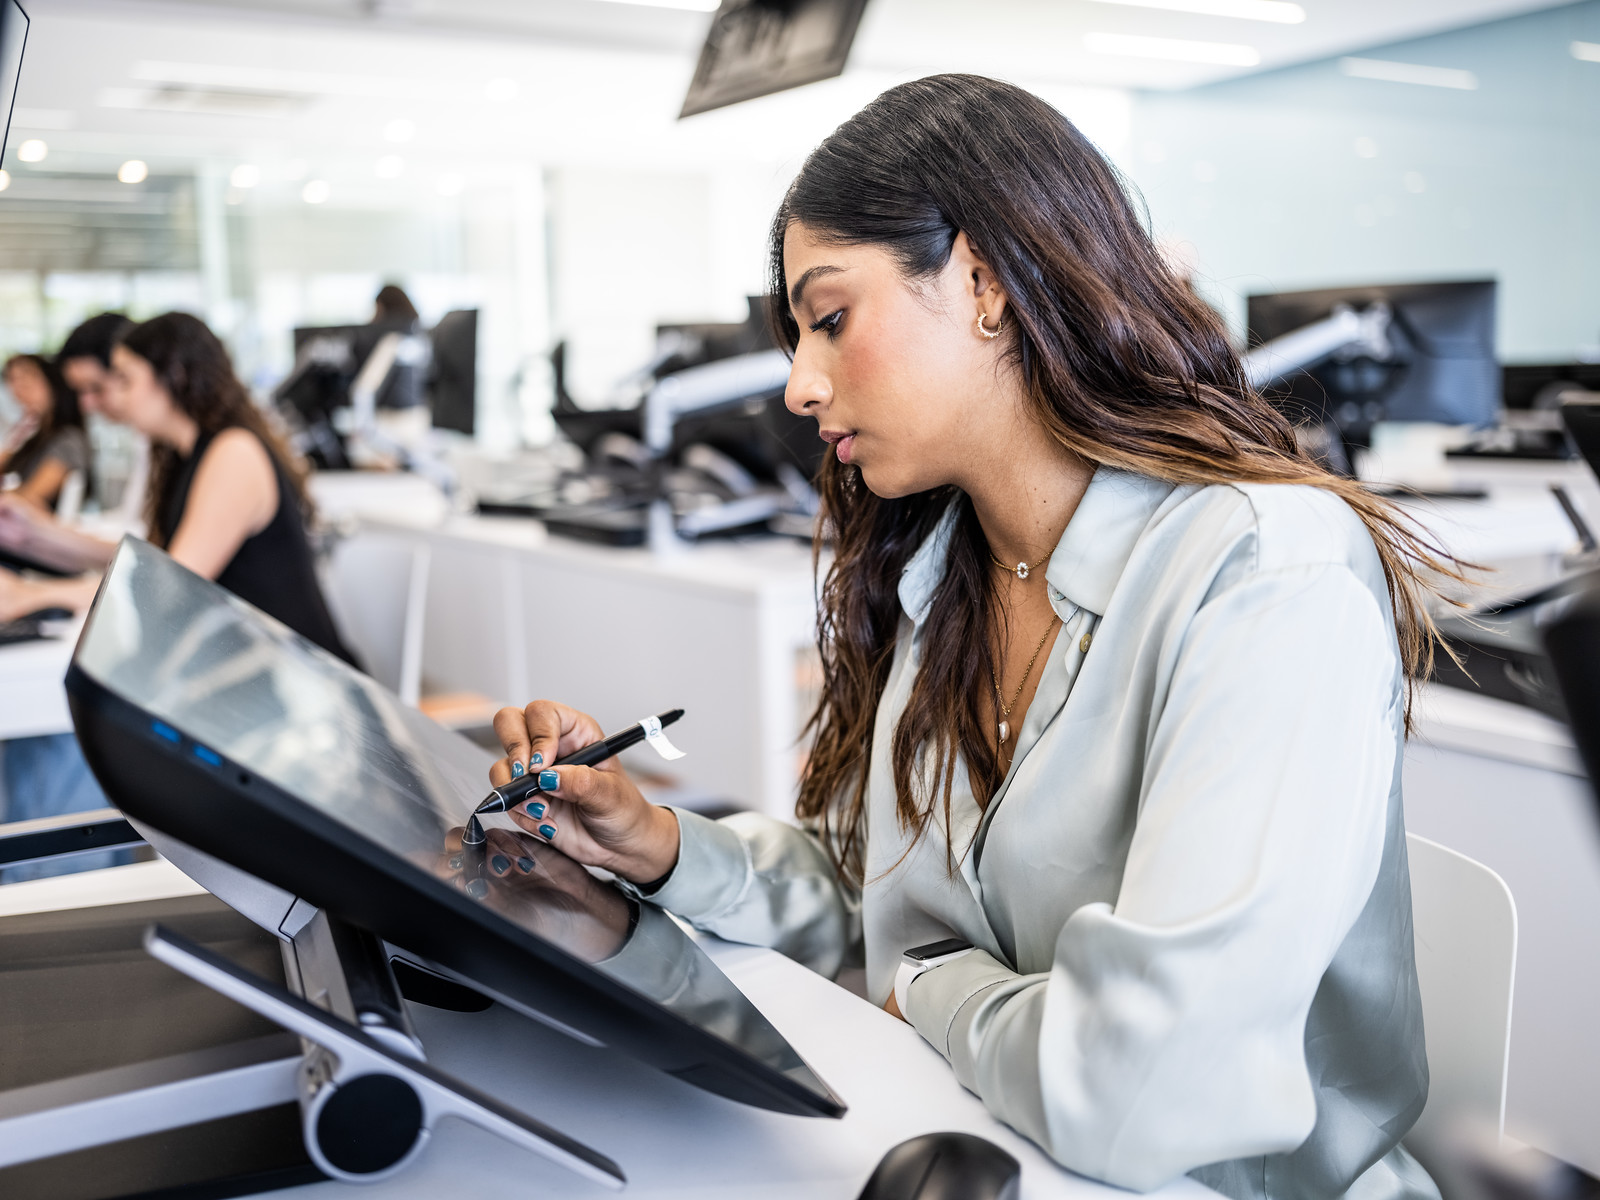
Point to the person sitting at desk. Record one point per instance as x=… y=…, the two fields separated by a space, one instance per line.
x=49 y=443
x=1115 y=683
x=225 y=497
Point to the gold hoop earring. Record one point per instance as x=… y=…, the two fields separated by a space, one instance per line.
x=985 y=332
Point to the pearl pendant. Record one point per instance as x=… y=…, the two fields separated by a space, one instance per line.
x=1005 y=732
x=1022 y=570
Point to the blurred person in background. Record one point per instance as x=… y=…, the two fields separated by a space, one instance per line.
x=225 y=498
x=49 y=442
x=85 y=357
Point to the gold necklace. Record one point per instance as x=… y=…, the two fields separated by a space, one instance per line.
x=1022 y=570
x=1005 y=709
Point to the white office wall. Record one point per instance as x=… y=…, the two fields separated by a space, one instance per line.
x=1309 y=177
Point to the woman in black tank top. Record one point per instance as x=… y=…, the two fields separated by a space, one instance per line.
x=226 y=498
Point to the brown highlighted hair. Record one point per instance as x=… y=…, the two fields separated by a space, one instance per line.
x=194 y=368
x=1122 y=363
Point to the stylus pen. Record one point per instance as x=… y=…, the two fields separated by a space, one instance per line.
x=509 y=795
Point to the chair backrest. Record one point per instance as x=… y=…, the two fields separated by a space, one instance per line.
x=1465 y=925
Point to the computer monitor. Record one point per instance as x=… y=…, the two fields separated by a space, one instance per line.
x=1441 y=368
x=757 y=47
x=218 y=726
x=13 y=39
x=453 y=374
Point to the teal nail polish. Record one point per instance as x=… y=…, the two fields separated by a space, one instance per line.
x=500 y=863
x=477 y=889
x=525 y=864
x=548 y=831
x=517 y=769
x=549 y=780
x=537 y=760
x=536 y=811
x=455 y=862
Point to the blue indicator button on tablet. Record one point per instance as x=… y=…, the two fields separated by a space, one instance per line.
x=167 y=731
x=208 y=756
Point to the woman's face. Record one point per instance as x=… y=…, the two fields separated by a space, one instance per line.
x=135 y=396
x=31 y=389
x=895 y=371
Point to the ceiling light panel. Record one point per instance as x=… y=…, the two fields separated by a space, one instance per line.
x=1402 y=72
x=1171 y=49
x=1279 y=12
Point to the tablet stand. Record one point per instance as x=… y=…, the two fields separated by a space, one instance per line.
x=368 y=1098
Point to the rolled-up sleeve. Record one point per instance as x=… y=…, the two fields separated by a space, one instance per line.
x=750 y=878
x=1170 y=1031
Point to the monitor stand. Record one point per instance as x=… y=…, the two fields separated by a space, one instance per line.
x=368 y=1097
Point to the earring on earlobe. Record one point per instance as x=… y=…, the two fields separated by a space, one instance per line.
x=990 y=335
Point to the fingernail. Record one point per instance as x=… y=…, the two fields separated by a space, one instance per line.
x=455 y=862
x=477 y=889
x=549 y=780
x=536 y=811
x=525 y=865
x=500 y=863
x=548 y=831
x=537 y=760
x=517 y=769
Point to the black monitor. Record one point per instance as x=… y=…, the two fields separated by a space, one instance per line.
x=13 y=38
x=453 y=374
x=220 y=727
x=1442 y=367
x=757 y=47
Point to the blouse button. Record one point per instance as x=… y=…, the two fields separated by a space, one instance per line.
x=1083 y=643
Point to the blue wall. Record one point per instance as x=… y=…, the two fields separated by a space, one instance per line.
x=1307 y=177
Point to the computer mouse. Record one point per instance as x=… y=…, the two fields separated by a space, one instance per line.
x=945 y=1166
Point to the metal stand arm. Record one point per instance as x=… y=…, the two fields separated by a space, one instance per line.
x=369 y=1109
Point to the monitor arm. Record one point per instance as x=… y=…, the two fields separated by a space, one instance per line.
x=1344 y=332
x=725 y=381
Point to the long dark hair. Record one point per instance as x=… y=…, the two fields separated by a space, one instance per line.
x=194 y=368
x=65 y=412
x=1122 y=363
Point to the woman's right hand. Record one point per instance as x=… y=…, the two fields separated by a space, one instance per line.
x=593 y=814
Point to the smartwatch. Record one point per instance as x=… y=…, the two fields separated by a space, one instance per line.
x=924 y=958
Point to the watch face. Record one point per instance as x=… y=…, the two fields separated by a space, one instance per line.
x=935 y=950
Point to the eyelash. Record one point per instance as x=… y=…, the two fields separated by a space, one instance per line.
x=829 y=324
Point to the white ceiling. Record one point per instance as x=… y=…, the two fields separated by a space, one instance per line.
x=311 y=85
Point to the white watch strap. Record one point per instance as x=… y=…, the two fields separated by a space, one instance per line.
x=902 y=982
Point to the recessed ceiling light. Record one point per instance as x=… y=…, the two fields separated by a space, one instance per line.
x=5 y=180
x=316 y=191
x=245 y=175
x=1586 y=51
x=390 y=166
x=686 y=5
x=132 y=171
x=1280 y=12
x=399 y=130
x=1172 y=49
x=32 y=150
x=1400 y=72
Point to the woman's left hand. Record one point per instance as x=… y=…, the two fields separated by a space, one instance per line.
x=892 y=1007
x=17 y=598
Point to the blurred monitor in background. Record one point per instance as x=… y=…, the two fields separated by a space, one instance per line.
x=13 y=38
x=453 y=375
x=1436 y=361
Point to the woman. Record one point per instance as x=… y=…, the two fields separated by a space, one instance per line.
x=1115 y=682
x=49 y=442
x=225 y=498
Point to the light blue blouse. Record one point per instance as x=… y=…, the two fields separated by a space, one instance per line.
x=1190 y=895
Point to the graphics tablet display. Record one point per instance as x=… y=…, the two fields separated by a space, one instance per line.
x=220 y=727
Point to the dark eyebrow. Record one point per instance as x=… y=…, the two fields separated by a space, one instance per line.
x=800 y=285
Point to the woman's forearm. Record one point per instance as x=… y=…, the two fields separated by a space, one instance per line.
x=20 y=597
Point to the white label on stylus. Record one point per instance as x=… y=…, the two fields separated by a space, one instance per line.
x=654 y=735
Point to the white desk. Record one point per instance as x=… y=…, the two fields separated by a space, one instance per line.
x=32 y=700
x=672 y=1140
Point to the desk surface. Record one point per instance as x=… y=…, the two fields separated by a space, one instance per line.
x=671 y=1139
x=32 y=700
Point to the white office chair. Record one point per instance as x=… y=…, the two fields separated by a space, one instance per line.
x=1466 y=946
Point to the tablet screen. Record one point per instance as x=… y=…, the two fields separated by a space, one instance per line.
x=240 y=701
